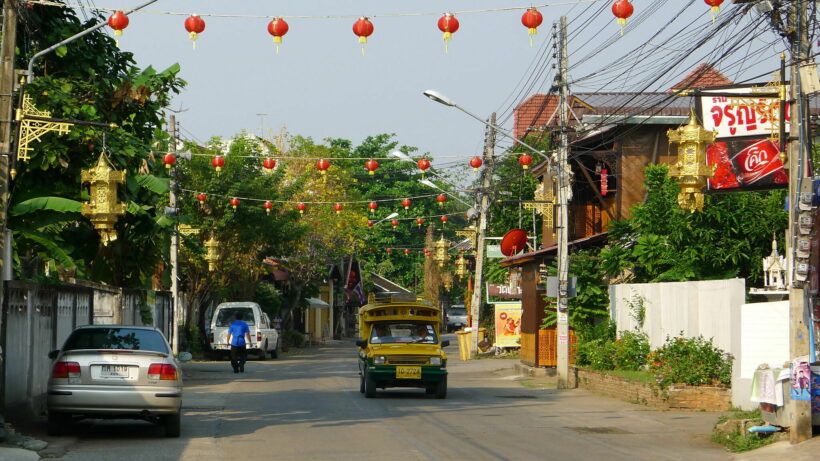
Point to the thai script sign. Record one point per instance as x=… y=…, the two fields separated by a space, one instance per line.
x=746 y=152
x=504 y=291
x=741 y=116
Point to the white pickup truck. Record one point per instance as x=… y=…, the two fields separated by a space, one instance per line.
x=264 y=338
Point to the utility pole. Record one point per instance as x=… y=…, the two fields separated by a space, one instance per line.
x=172 y=203
x=564 y=193
x=6 y=131
x=800 y=424
x=484 y=209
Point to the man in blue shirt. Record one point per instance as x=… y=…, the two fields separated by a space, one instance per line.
x=239 y=337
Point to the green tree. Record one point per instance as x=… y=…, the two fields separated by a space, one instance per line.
x=661 y=242
x=92 y=80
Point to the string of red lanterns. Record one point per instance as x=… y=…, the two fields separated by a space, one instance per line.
x=363 y=28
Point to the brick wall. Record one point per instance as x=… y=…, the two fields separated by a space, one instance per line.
x=680 y=397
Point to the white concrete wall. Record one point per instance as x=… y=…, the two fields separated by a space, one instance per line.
x=764 y=331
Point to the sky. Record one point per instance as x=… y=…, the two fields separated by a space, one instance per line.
x=320 y=85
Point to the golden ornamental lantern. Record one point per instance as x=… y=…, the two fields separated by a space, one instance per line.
x=441 y=256
x=103 y=209
x=212 y=253
x=461 y=267
x=691 y=170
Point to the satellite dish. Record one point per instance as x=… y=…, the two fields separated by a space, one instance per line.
x=514 y=242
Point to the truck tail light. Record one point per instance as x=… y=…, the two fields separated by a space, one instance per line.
x=162 y=371
x=259 y=336
x=66 y=370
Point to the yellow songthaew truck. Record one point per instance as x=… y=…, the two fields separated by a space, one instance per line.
x=399 y=345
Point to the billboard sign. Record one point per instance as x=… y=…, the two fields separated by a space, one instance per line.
x=746 y=154
x=504 y=291
x=508 y=324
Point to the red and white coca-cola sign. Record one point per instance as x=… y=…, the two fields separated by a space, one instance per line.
x=746 y=164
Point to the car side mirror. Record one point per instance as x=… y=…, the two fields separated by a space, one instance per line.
x=361 y=342
x=53 y=354
x=445 y=343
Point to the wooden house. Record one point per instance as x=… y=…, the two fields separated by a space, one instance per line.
x=616 y=133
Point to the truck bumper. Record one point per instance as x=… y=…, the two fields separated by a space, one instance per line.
x=385 y=376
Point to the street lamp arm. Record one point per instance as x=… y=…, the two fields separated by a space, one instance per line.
x=30 y=69
x=441 y=99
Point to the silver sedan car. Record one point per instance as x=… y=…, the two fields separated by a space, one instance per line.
x=114 y=371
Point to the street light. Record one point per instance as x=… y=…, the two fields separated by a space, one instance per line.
x=441 y=99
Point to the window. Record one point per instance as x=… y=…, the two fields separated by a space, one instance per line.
x=226 y=316
x=392 y=333
x=116 y=338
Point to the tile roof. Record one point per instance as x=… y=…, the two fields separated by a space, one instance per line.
x=704 y=75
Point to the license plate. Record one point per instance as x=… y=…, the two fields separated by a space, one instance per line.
x=223 y=346
x=408 y=372
x=115 y=372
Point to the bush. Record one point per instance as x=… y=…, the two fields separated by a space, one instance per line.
x=292 y=338
x=694 y=361
x=626 y=353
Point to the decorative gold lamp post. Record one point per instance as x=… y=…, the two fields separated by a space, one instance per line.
x=103 y=209
x=441 y=256
x=212 y=254
x=461 y=267
x=691 y=170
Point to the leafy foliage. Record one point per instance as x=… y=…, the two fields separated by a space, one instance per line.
x=661 y=242
x=694 y=361
x=92 y=80
x=591 y=304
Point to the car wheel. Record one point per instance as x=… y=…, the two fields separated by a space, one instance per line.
x=361 y=384
x=369 y=386
x=262 y=354
x=172 y=424
x=274 y=353
x=430 y=390
x=441 y=388
x=57 y=423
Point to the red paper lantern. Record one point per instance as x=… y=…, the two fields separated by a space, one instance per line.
x=604 y=182
x=406 y=252
x=394 y=223
x=218 y=162
x=195 y=26
x=118 y=21
x=370 y=223
x=441 y=199
x=449 y=25
x=531 y=20
x=322 y=165
x=476 y=163
x=267 y=205
x=363 y=28
x=715 y=4
x=423 y=165
x=201 y=197
x=406 y=204
x=278 y=28
x=419 y=221
x=234 y=203
x=338 y=207
x=301 y=207
x=371 y=166
x=269 y=164
x=622 y=10
x=389 y=250
x=372 y=206
x=444 y=219
x=168 y=160
x=525 y=160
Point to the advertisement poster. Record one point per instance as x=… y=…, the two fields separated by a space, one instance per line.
x=800 y=379
x=507 y=324
x=815 y=389
x=744 y=154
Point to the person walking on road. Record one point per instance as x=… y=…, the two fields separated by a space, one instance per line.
x=239 y=337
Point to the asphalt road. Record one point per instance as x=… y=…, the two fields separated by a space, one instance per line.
x=307 y=406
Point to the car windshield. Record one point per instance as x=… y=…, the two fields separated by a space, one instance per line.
x=226 y=315
x=116 y=338
x=458 y=312
x=418 y=333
